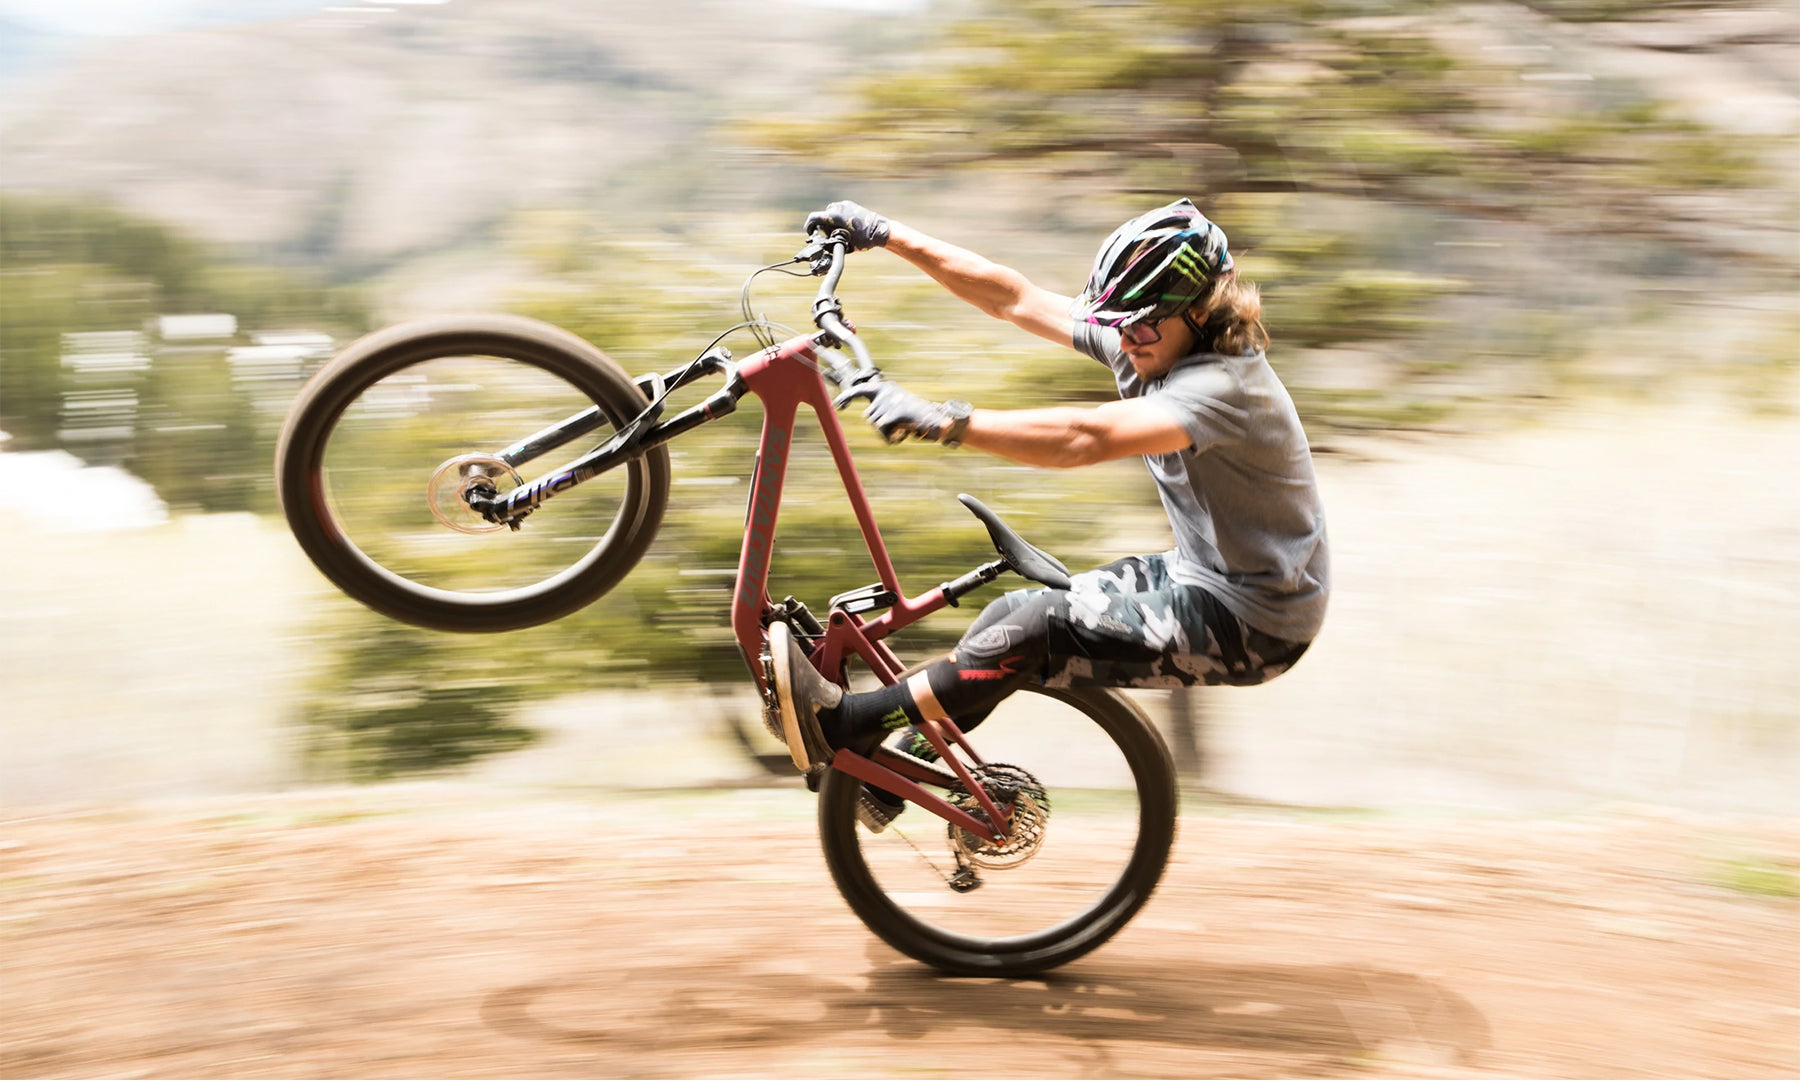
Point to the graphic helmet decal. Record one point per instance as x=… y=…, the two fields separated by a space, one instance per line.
x=1154 y=266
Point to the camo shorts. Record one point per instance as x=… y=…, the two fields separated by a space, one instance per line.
x=1129 y=624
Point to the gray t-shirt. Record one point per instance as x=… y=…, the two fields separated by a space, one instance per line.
x=1242 y=499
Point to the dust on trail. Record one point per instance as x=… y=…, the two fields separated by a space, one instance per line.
x=431 y=931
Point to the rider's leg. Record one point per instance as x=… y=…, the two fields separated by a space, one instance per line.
x=1130 y=624
x=1000 y=652
x=1022 y=636
x=1124 y=624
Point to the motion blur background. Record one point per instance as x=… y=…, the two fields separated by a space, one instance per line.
x=1529 y=268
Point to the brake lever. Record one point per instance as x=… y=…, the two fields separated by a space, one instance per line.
x=817 y=251
x=814 y=253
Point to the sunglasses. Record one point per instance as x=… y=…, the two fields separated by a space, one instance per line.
x=1141 y=333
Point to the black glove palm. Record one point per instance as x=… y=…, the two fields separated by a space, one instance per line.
x=865 y=227
x=898 y=413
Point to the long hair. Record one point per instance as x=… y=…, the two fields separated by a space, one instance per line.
x=1228 y=319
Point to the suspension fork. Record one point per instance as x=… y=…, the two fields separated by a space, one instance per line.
x=630 y=442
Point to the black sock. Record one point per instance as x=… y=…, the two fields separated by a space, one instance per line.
x=860 y=719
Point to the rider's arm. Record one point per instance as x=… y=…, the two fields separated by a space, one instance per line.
x=1066 y=436
x=998 y=290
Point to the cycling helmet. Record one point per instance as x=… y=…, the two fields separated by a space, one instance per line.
x=1154 y=266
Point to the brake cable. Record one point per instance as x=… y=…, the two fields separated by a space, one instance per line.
x=756 y=322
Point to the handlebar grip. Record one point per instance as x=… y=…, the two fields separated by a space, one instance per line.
x=828 y=313
x=840 y=246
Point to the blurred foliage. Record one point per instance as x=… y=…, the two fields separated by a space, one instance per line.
x=1363 y=99
x=918 y=334
x=1399 y=180
x=402 y=701
x=1772 y=360
x=186 y=422
x=1759 y=877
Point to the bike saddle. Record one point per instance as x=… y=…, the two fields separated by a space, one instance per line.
x=1029 y=562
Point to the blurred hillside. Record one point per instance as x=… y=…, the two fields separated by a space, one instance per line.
x=352 y=138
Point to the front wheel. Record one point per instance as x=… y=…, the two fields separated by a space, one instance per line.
x=383 y=442
x=1095 y=801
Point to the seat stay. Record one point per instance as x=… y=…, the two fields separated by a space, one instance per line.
x=846 y=635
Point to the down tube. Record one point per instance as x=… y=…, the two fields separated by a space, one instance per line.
x=859 y=501
x=752 y=596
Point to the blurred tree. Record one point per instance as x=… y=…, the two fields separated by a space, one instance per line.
x=201 y=443
x=1362 y=100
x=1363 y=155
x=402 y=701
x=195 y=432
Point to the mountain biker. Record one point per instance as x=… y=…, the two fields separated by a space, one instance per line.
x=1243 y=592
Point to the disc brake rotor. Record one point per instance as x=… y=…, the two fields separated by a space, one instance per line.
x=470 y=471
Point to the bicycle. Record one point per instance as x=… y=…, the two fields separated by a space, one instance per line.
x=1040 y=863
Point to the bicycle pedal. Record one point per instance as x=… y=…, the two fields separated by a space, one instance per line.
x=876 y=812
x=814 y=777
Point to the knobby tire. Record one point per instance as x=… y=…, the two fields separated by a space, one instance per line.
x=311 y=423
x=1153 y=773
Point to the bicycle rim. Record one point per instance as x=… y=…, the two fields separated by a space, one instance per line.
x=1108 y=802
x=368 y=446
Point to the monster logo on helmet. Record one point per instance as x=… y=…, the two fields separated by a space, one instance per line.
x=1154 y=266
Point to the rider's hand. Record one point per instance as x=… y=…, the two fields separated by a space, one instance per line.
x=898 y=413
x=865 y=227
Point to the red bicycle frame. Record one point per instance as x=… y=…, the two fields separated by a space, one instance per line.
x=784 y=377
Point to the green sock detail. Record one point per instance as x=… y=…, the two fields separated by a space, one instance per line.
x=870 y=714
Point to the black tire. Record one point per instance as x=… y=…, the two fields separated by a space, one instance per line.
x=920 y=924
x=446 y=581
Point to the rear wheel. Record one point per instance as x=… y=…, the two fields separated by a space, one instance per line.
x=376 y=453
x=1094 y=815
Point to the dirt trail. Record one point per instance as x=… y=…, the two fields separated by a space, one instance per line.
x=438 y=932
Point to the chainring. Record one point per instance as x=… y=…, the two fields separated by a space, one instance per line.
x=1018 y=791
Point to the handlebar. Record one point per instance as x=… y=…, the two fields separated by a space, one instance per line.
x=826 y=253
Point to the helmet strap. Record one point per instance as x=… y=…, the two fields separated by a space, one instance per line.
x=1199 y=332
